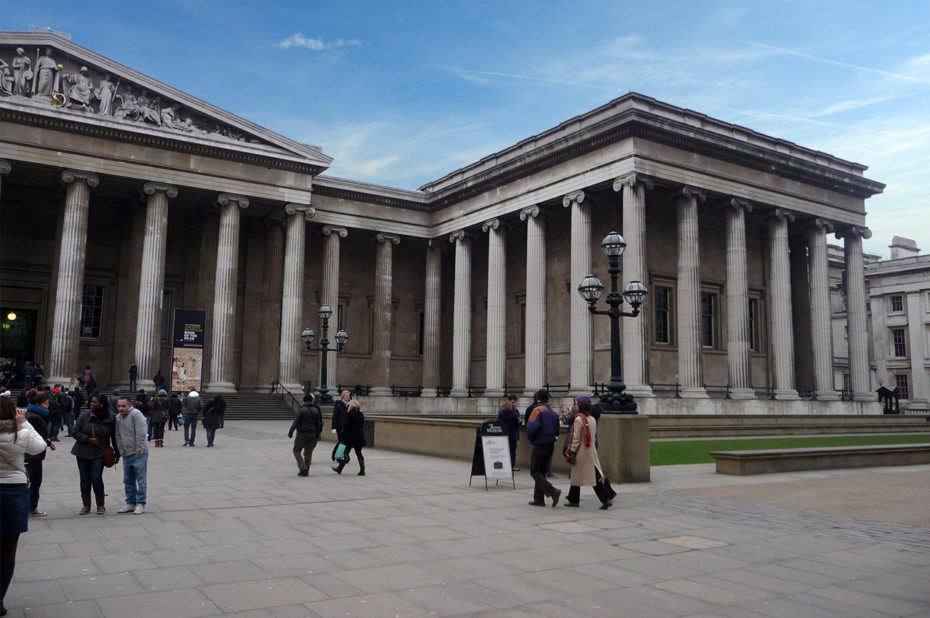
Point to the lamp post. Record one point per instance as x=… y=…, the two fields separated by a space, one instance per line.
x=591 y=289
x=341 y=337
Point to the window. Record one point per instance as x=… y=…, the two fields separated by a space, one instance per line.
x=754 y=341
x=663 y=305
x=708 y=319
x=900 y=380
x=92 y=311
x=897 y=303
x=898 y=342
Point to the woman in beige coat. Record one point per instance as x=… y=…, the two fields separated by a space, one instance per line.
x=586 y=469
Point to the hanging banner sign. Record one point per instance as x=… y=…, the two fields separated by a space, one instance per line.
x=187 y=358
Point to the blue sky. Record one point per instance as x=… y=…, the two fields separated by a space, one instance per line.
x=401 y=93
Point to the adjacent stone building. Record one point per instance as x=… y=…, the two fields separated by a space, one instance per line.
x=123 y=199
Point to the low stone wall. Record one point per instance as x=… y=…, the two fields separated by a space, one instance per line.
x=742 y=463
x=623 y=442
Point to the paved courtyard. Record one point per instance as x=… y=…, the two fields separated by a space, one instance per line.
x=233 y=531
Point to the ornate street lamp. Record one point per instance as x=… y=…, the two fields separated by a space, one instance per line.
x=591 y=289
x=323 y=397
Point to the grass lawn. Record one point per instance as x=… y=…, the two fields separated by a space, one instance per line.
x=671 y=452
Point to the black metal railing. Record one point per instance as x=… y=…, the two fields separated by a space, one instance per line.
x=406 y=391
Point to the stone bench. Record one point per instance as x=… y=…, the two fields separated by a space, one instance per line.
x=796 y=459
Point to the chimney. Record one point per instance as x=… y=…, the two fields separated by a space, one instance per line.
x=903 y=247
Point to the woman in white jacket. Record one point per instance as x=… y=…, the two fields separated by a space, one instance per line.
x=17 y=437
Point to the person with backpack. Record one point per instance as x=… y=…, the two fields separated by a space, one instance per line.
x=542 y=431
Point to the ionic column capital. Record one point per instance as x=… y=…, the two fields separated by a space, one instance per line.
x=5 y=166
x=391 y=238
x=575 y=197
x=821 y=225
x=225 y=198
x=151 y=188
x=458 y=235
x=490 y=224
x=292 y=209
x=530 y=212
x=69 y=176
x=696 y=193
x=329 y=230
x=633 y=179
x=852 y=231
x=779 y=214
x=738 y=203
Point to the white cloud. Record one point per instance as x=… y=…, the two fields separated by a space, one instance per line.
x=316 y=44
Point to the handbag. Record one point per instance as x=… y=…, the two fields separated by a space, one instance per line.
x=109 y=454
x=572 y=458
x=340 y=451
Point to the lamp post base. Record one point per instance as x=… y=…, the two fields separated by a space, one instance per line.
x=615 y=401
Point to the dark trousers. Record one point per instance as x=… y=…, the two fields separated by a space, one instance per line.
x=158 y=431
x=34 y=470
x=173 y=422
x=539 y=459
x=358 y=454
x=513 y=453
x=304 y=443
x=8 y=543
x=574 y=492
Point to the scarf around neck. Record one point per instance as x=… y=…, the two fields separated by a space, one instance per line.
x=37 y=409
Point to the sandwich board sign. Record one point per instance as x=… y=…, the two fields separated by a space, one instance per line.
x=492 y=454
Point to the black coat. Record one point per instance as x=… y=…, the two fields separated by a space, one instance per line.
x=103 y=427
x=352 y=434
x=213 y=414
x=308 y=420
x=339 y=417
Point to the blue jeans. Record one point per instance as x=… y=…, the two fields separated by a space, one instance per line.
x=190 y=424
x=134 y=469
x=91 y=473
x=132 y=383
x=148 y=422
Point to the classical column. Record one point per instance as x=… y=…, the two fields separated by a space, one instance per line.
x=635 y=347
x=800 y=312
x=821 y=322
x=581 y=362
x=497 y=325
x=292 y=298
x=856 y=314
x=781 y=328
x=383 y=315
x=5 y=168
x=917 y=346
x=330 y=292
x=535 y=373
x=461 y=317
x=738 y=366
x=152 y=282
x=66 y=334
x=431 y=314
x=224 y=294
x=690 y=368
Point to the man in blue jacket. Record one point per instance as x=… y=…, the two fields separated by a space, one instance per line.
x=542 y=430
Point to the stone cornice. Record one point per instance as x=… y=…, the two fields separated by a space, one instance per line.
x=339 y=188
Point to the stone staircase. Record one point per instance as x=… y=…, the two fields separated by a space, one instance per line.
x=245 y=406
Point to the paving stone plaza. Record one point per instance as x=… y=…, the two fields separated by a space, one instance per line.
x=234 y=531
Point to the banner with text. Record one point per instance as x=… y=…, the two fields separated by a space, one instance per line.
x=187 y=359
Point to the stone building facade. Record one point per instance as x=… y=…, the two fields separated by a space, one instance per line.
x=123 y=198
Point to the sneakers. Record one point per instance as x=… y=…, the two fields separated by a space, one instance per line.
x=37 y=513
x=556 y=496
x=140 y=508
x=127 y=508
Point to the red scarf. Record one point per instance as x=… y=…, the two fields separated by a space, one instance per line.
x=587 y=430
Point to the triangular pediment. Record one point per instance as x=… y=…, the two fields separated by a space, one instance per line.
x=51 y=77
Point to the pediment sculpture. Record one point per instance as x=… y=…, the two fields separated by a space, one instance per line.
x=37 y=75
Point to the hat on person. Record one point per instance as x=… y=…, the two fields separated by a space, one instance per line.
x=194 y=394
x=581 y=398
x=162 y=391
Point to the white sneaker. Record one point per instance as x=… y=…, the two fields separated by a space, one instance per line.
x=140 y=508
x=127 y=508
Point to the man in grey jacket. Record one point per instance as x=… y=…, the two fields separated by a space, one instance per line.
x=132 y=442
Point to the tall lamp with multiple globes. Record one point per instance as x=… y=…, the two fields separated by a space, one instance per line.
x=614 y=400
x=323 y=396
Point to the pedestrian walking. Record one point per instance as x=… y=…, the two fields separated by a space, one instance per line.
x=94 y=431
x=191 y=412
x=582 y=455
x=509 y=416
x=353 y=436
x=158 y=413
x=340 y=410
x=133 y=373
x=542 y=431
x=308 y=424
x=213 y=417
x=174 y=411
x=133 y=447
x=17 y=438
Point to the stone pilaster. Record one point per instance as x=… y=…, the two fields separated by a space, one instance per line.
x=497 y=325
x=821 y=324
x=66 y=334
x=800 y=312
x=152 y=282
x=330 y=292
x=635 y=348
x=461 y=317
x=917 y=347
x=581 y=339
x=690 y=361
x=856 y=314
x=739 y=369
x=224 y=294
x=384 y=314
x=781 y=327
x=269 y=363
x=535 y=372
x=431 y=314
x=292 y=299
